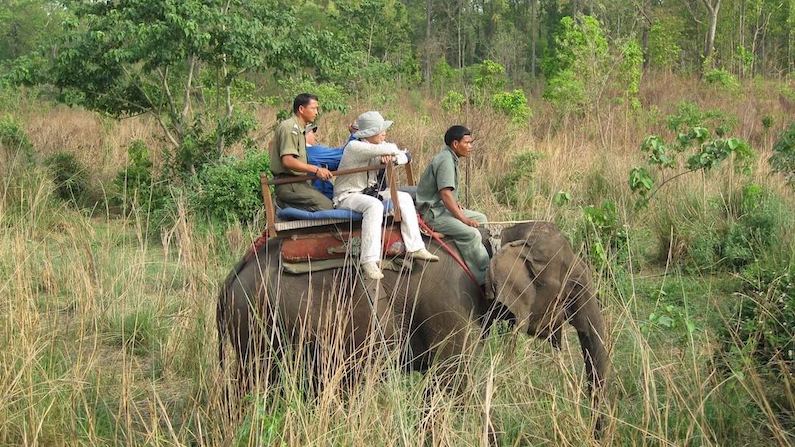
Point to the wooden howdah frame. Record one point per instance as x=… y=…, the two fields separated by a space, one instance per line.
x=275 y=227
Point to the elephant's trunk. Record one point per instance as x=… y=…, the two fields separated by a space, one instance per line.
x=590 y=325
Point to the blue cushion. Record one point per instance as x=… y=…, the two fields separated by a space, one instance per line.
x=296 y=214
x=337 y=213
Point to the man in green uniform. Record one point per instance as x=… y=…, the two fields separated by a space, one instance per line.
x=437 y=200
x=288 y=158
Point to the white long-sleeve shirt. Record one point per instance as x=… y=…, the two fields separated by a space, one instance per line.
x=356 y=154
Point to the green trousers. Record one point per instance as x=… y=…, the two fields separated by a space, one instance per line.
x=467 y=239
x=302 y=196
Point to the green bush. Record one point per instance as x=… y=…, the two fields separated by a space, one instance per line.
x=760 y=218
x=14 y=141
x=604 y=235
x=200 y=146
x=723 y=235
x=136 y=184
x=688 y=115
x=723 y=79
x=581 y=66
x=513 y=104
x=783 y=159
x=764 y=317
x=230 y=190
x=70 y=177
x=664 y=50
x=506 y=188
x=453 y=101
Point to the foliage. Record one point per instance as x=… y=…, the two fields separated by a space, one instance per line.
x=745 y=59
x=585 y=66
x=663 y=48
x=330 y=96
x=723 y=79
x=604 y=235
x=763 y=322
x=707 y=153
x=27 y=24
x=14 y=140
x=70 y=176
x=783 y=159
x=137 y=183
x=183 y=62
x=486 y=78
x=577 y=71
x=229 y=190
x=689 y=115
x=755 y=225
x=453 y=101
x=200 y=145
x=513 y=104
x=724 y=234
x=506 y=188
x=630 y=71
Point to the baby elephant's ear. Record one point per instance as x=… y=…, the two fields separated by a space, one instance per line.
x=509 y=282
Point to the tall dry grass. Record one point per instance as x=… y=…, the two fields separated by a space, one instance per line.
x=107 y=337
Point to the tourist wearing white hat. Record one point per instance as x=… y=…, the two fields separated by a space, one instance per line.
x=368 y=147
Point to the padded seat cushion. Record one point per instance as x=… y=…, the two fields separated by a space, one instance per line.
x=296 y=214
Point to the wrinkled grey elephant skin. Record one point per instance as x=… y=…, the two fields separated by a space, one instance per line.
x=428 y=311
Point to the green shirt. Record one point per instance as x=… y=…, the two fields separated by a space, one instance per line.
x=441 y=174
x=289 y=139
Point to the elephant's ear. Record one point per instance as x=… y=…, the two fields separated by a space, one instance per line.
x=510 y=281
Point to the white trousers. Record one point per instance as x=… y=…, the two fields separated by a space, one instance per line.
x=373 y=212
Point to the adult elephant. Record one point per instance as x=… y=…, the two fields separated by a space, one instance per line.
x=429 y=311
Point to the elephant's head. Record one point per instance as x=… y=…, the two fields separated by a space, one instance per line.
x=529 y=284
x=539 y=279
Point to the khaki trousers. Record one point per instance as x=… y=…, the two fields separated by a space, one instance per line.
x=467 y=239
x=302 y=196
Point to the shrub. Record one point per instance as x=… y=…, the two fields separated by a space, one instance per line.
x=764 y=317
x=14 y=140
x=722 y=78
x=506 y=188
x=136 y=183
x=512 y=104
x=229 y=190
x=453 y=101
x=200 y=146
x=630 y=72
x=689 y=115
x=579 y=70
x=760 y=220
x=604 y=235
x=783 y=159
x=663 y=48
x=70 y=176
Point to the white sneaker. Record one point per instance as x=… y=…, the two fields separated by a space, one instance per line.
x=424 y=255
x=372 y=271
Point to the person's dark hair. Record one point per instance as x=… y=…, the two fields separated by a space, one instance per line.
x=455 y=133
x=302 y=99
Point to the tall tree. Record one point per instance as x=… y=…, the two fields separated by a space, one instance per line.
x=179 y=60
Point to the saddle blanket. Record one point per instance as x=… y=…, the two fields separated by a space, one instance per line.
x=336 y=245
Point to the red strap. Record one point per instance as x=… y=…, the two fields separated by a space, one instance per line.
x=257 y=244
x=448 y=249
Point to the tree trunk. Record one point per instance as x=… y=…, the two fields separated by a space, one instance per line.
x=460 y=47
x=713 y=9
x=428 y=62
x=533 y=35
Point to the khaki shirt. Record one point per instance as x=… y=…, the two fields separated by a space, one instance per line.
x=289 y=139
x=441 y=174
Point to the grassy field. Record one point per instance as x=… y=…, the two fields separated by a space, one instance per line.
x=107 y=331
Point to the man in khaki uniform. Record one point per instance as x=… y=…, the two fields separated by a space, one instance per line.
x=437 y=200
x=288 y=158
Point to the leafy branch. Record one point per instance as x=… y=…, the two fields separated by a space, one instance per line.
x=707 y=154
